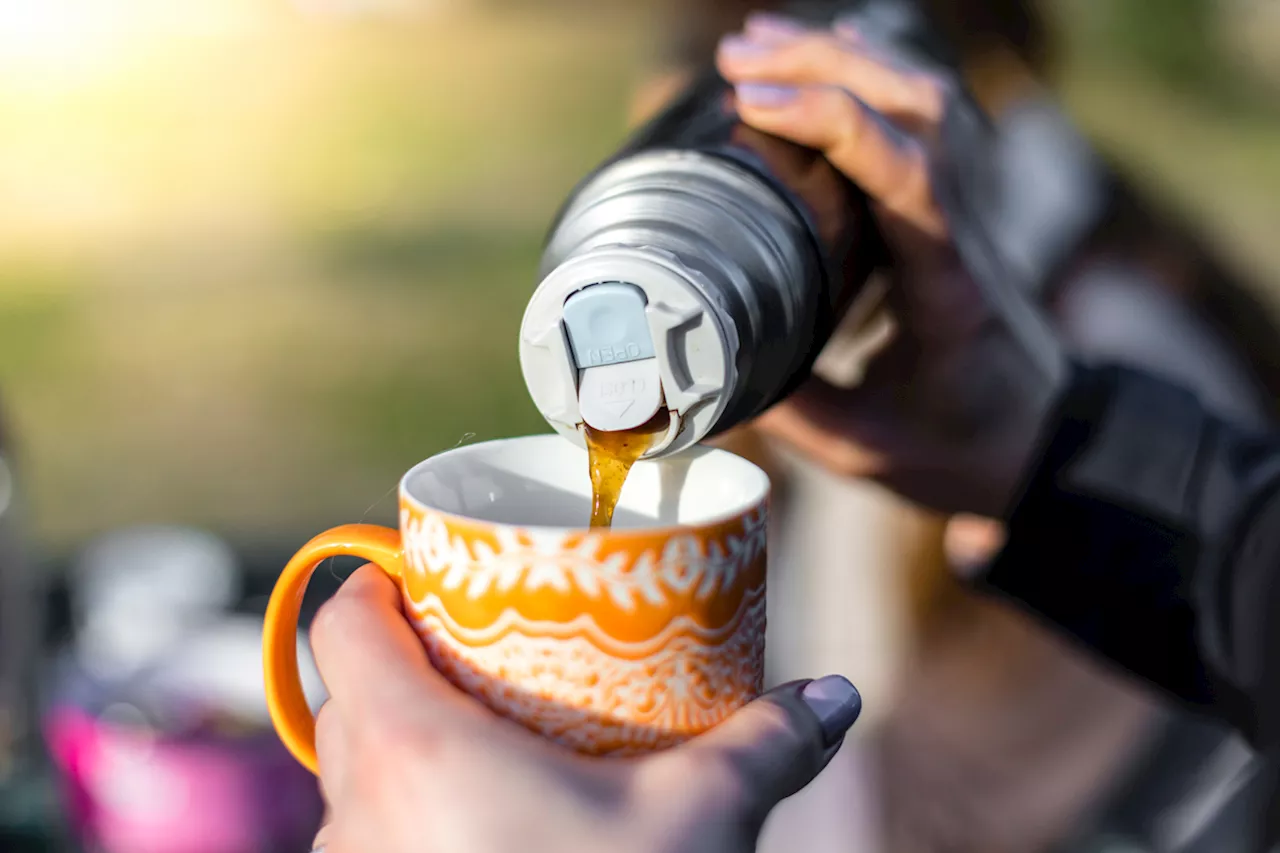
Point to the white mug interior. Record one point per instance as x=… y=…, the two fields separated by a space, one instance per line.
x=543 y=481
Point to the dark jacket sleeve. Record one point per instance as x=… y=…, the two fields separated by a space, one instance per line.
x=1150 y=531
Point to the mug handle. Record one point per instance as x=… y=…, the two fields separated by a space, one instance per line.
x=286 y=702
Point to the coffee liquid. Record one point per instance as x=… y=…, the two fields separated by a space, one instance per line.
x=611 y=455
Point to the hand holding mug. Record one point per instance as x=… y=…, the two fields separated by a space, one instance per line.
x=622 y=642
x=608 y=641
x=408 y=763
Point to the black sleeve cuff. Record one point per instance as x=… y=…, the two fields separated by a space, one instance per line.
x=1249 y=599
x=1103 y=542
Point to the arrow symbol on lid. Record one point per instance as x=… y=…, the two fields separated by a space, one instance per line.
x=618 y=408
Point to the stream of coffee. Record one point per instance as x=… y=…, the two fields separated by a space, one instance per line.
x=611 y=455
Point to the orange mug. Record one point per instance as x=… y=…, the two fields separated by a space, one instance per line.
x=615 y=641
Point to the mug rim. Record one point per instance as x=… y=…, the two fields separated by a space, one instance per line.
x=761 y=495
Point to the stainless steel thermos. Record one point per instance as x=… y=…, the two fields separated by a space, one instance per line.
x=701 y=270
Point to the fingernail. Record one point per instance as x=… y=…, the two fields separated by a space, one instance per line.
x=740 y=47
x=764 y=95
x=836 y=703
x=768 y=25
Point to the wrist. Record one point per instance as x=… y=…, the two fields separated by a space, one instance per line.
x=1055 y=430
x=996 y=471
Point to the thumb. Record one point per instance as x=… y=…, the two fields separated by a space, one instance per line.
x=778 y=744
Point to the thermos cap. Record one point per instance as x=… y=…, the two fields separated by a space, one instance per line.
x=616 y=332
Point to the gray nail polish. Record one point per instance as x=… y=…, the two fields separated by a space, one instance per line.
x=740 y=47
x=836 y=703
x=764 y=95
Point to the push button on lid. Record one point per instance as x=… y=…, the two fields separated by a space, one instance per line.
x=620 y=396
x=606 y=324
x=619 y=381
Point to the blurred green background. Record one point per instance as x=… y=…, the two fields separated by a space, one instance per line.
x=257 y=259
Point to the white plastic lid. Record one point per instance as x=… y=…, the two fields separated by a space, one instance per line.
x=600 y=372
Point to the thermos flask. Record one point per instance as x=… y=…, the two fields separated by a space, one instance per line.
x=699 y=270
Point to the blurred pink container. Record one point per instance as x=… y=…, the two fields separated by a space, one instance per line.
x=176 y=754
x=130 y=791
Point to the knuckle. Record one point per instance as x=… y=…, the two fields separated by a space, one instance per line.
x=932 y=91
x=326 y=625
x=337 y=617
x=847 y=68
x=701 y=782
x=793 y=735
x=816 y=58
x=835 y=54
x=846 y=129
x=724 y=785
x=790 y=730
x=849 y=124
x=772 y=719
x=728 y=788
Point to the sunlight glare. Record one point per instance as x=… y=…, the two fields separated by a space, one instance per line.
x=59 y=33
x=70 y=39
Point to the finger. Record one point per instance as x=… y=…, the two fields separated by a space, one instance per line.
x=323 y=840
x=325 y=833
x=971 y=542
x=332 y=750
x=775 y=746
x=367 y=653
x=914 y=98
x=890 y=168
x=771 y=27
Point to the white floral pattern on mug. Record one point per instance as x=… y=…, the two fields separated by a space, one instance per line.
x=607 y=642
